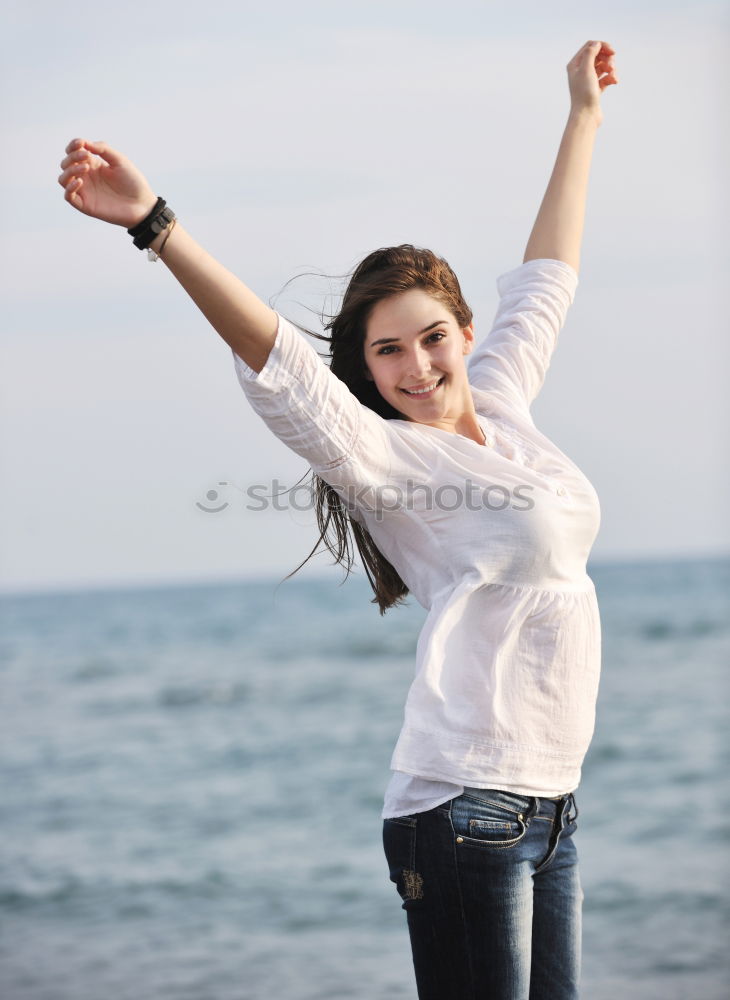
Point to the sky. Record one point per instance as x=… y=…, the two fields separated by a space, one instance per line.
x=293 y=138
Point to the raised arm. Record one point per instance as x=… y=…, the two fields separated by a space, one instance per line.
x=286 y=381
x=99 y=181
x=558 y=229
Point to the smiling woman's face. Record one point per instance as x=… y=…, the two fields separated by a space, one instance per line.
x=415 y=354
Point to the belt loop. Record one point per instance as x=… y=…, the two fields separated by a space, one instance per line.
x=561 y=812
x=567 y=802
x=575 y=806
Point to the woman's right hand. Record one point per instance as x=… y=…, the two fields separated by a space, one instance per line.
x=99 y=181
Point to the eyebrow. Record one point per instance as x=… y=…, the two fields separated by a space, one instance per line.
x=390 y=340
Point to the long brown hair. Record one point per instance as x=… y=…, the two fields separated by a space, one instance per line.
x=383 y=273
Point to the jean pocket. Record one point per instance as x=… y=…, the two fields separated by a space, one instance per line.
x=488 y=822
x=399 y=843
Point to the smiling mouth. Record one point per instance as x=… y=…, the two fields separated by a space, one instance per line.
x=426 y=391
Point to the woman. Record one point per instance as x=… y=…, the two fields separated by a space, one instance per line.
x=451 y=492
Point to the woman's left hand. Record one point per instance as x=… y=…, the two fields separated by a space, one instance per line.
x=590 y=71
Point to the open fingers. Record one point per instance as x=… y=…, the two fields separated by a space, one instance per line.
x=607 y=75
x=606 y=69
x=599 y=56
x=72 y=192
x=102 y=149
x=105 y=151
x=69 y=177
x=77 y=156
x=75 y=164
x=595 y=50
x=72 y=172
x=605 y=48
x=607 y=80
x=600 y=47
x=603 y=57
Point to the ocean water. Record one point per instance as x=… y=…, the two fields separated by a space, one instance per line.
x=192 y=780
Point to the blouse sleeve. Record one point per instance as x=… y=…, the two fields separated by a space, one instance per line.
x=514 y=357
x=315 y=414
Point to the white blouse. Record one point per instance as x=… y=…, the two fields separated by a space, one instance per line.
x=492 y=541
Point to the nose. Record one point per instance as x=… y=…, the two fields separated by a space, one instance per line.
x=418 y=363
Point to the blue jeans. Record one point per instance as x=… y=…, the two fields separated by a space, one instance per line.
x=490 y=885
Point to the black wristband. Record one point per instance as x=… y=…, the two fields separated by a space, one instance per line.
x=152 y=225
x=141 y=226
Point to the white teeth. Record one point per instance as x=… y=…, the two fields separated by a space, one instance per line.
x=419 y=392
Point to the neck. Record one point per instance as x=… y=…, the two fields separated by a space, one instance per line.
x=467 y=425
